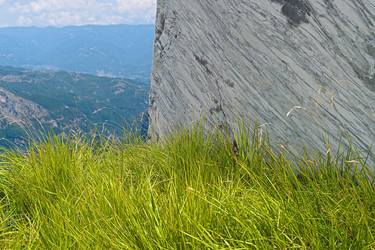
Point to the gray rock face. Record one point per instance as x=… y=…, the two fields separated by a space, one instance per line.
x=17 y=110
x=301 y=68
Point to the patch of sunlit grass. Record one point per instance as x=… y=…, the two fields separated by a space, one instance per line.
x=188 y=192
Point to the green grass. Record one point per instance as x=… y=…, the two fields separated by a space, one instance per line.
x=188 y=192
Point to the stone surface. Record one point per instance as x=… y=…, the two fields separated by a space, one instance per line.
x=17 y=110
x=302 y=69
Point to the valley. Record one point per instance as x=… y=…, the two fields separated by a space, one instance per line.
x=33 y=103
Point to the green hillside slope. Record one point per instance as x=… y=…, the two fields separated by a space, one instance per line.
x=66 y=101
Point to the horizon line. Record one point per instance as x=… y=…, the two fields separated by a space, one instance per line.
x=78 y=25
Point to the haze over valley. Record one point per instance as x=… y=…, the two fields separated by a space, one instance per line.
x=108 y=50
x=78 y=78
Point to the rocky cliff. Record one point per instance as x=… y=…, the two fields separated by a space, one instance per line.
x=302 y=68
x=17 y=110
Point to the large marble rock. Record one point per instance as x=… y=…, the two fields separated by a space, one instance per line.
x=304 y=69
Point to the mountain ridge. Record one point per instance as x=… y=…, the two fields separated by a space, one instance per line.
x=112 y=50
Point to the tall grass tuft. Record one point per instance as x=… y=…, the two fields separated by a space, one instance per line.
x=187 y=192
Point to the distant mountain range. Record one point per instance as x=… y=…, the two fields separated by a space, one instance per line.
x=114 y=50
x=34 y=101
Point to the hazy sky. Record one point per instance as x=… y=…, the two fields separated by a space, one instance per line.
x=75 y=12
